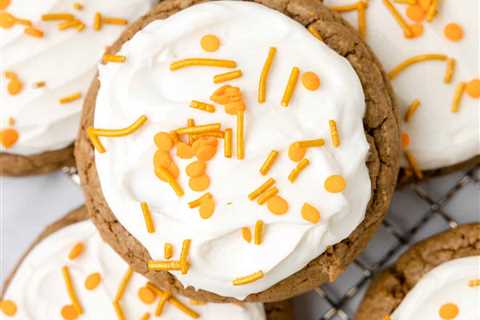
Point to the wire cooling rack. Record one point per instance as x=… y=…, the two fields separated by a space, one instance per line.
x=417 y=211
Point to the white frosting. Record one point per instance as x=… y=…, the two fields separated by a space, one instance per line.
x=447 y=283
x=439 y=138
x=38 y=287
x=65 y=60
x=146 y=86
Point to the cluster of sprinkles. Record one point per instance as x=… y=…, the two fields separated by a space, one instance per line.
x=65 y=21
x=199 y=142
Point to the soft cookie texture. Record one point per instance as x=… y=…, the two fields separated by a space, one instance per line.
x=380 y=126
x=390 y=287
x=76 y=231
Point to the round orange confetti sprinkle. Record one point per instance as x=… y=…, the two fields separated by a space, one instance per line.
x=4 y=4
x=235 y=107
x=196 y=169
x=6 y=20
x=205 y=153
x=335 y=184
x=8 y=307
x=277 y=205
x=448 y=311
x=473 y=88
x=310 y=213
x=164 y=141
x=424 y=4
x=69 y=313
x=405 y=139
x=76 y=251
x=247 y=234
x=415 y=13
x=8 y=137
x=310 y=80
x=453 y=32
x=296 y=153
x=200 y=183
x=184 y=151
x=147 y=295
x=14 y=86
x=417 y=30
x=92 y=281
x=210 y=43
x=162 y=159
x=207 y=208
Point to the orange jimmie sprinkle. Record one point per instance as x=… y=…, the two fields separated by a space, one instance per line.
x=147 y=216
x=168 y=251
x=191 y=62
x=264 y=187
x=228 y=142
x=315 y=32
x=298 y=169
x=335 y=136
x=267 y=165
x=57 y=16
x=114 y=58
x=262 y=85
x=223 y=77
x=398 y=17
x=450 y=70
x=184 y=264
x=267 y=195
x=164 y=265
x=412 y=161
x=202 y=106
x=412 y=108
x=291 y=85
x=34 y=32
x=392 y=74
x=184 y=308
x=71 y=290
x=248 y=279
x=240 y=135
x=70 y=98
x=259 y=229
x=457 y=97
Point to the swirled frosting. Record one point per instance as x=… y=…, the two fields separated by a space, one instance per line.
x=145 y=85
x=64 y=60
x=38 y=288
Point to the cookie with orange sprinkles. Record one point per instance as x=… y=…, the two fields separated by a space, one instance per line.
x=437 y=278
x=69 y=273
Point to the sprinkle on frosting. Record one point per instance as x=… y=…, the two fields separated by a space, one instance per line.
x=258 y=233
x=310 y=213
x=267 y=165
x=311 y=143
x=94 y=133
x=70 y=98
x=335 y=184
x=412 y=108
x=310 y=80
x=71 y=290
x=291 y=85
x=34 y=32
x=473 y=88
x=184 y=264
x=68 y=312
x=335 y=136
x=405 y=138
x=4 y=4
x=184 y=308
x=164 y=296
x=262 y=85
x=210 y=43
x=8 y=307
x=432 y=10
x=223 y=77
x=416 y=13
x=196 y=203
x=277 y=205
x=199 y=129
x=453 y=32
x=412 y=2
x=220 y=63
x=114 y=21
x=457 y=97
x=448 y=311
x=450 y=70
x=296 y=152
x=413 y=60
x=228 y=141
x=76 y=251
x=78 y=6
x=147 y=295
x=314 y=32
x=168 y=251
x=207 y=208
x=92 y=281
x=297 y=170
x=146 y=316
x=69 y=24
x=264 y=187
x=247 y=234
x=240 y=135
x=119 y=310
x=39 y=84
x=15 y=85
x=170 y=179
x=97 y=21
x=248 y=279
x=57 y=16
x=474 y=283
x=398 y=17
x=264 y=197
x=196 y=169
x=412 y=161
x=9 y=137
x=147 y=216
x=200 y=183
x=164 y=265
x=114 y=58
x=202 y=106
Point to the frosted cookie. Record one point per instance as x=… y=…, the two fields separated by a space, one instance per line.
x=70 y=273
x=49 y=50
x=266 y=166
x=438 y=278
x=430 y=49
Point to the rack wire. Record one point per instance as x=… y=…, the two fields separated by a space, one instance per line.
x=417 y=211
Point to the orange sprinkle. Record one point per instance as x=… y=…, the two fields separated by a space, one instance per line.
x=335 y=184
x=185 y=151
x=228 y=141
x=92 y=281
x=267 y=165
x=220 y=63
x=184 y=255
x=405 y=140
x=202 y=106
x=412 y=108
x=206 y=152
x=168 y=251
x=334 y=133
x=167 y=176
x=113 y=58
x=147 y=295
x=277 y=205
x=226 y=94
x=182 y=307
x=8 y=137
x=416 y=13
x=118 y=310
x=190 y=123
x=247 y=234
x=196 y=169
x=417 y=30
x=24 y=22
x=162 y=159
x=207 y=208
x=57 y=16
x=68 y=312
x=211 y=134
x=398 y=17
x=297 y=170
x=71 y=291
x=147 y=216
x=200 y=183
x=450 y=70
x=453 y=32
x=227 y=76
x=310 y=213
x=164 y=141
x=197 y=302
x=412 y=161
x=14 y=87
x=146 y=316
x=163 y=265
x=362 y=18
x=432 y=10
x=248 y=279
x=473 y=88
x=457 y=96
x=240 y=135
x=474 y=283
x=4 y=4
x=264 y=187
x=78 y=6
x=291 y=84
x=310 y=81
x=262 y=85
x=114 y=21
x=412 y=2
x=39 y=84
x=6 y=20
x=76 y=251
x=311 y=143
x=315 y=32
x=70 y=98
x=296 y=152
x=210 y=43
x=161 y=304
x=267 y=195
x=123 y=285
x=34 y=32
x=199 y=129
x=425 y=4
x=414 y=60
x=69 y=24
x=8 y=307
x=448 y=311
x=259 y=229
x=97 y=21
x=11 y=121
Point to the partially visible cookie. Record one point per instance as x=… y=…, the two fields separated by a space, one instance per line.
x=37 y=288
x=440 y=272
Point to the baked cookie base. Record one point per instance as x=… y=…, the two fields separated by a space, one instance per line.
x=391 y=286
x=381 y=127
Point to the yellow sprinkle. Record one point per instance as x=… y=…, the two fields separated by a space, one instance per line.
x=196 y=203
x=71 y=290
x=298 y=169
x=199 y=129
x=262 y=85
x=69 y=24
x=267 y=195
x=311 y=143
x=115 y=21
x=114 y=58
x=164 y=265
x=78 y=6
x=202 y=62
x=184 y=256
x=146 y=316
x=147 y=216
x=451 y=63
x=240 y=135
x=398 y=17
x=248 y=279
x=118 y=310
x=267 y=165
x=123 y=285
x=76 y=251
x=258 y=235
x=315 y=32
x=457 y=96
x=34 y=32
x=219 y=78
x=57 y=16
x=247 y=234
x=182 y=307
x=202 y=106
x=413 y=164
x=170 y=180
x=168 y=251
x=362 y=18
x=412 y=2
x=81 y=27
x=292 y=83
x=432 y=10
x=334 y=133
x=97 y=21
x=228 y=142
x=474 y=283
x=264 y=187
x=70 y=98
x=413 y=60
x=94 y=133
x=412 y=108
